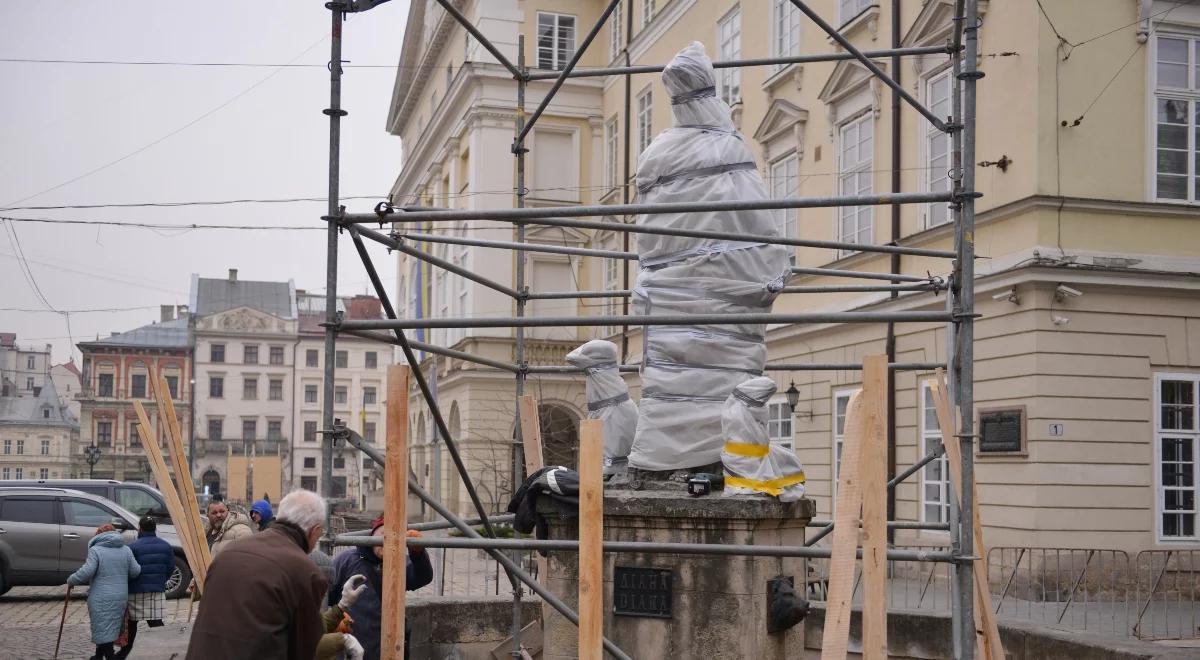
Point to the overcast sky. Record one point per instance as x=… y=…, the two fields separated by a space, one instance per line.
x=60 y=121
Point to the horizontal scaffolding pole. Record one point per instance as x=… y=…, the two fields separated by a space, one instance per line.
x=717 y=549
x=892 y=524
x=797 y=366
x=754 y=61
x=562 y=295
x=656 y=319
x=445 y=524
x=862 y=288
x=857 y=274
x=522 y=247
x=435 y=349
x=462 y=272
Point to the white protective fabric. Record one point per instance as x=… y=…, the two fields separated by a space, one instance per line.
x=752 y=464
x=608 y=399
x=687 y=371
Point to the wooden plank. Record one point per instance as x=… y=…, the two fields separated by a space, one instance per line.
x=183 y=481
x=987 y=631
x=163 y=477
x=873 y=476
x=531 y=434
x=395 y=516
x=591 y=540
x=836 y=636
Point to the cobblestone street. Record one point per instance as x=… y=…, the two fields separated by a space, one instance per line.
x=29 y=618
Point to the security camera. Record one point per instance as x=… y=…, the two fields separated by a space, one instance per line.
x=1009 y=295
x=1062 y=292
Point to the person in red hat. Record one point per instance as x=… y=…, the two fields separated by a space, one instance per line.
x=367 y=610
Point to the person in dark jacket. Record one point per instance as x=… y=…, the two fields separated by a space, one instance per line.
x=147 y=591
x=263 y=596
x=261 y=513
x=367 y=610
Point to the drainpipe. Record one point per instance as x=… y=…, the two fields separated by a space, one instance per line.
x=895 y=269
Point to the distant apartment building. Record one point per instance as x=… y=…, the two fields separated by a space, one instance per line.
x=244 y=340
x=68 y=381
x=37 y=431
x=117 y=372
x=21 y=369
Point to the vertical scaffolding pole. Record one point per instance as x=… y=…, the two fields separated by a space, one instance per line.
x=518 y=459
x=335 y=113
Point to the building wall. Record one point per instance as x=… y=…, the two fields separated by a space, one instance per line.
x=25 y=369
x=68 y=385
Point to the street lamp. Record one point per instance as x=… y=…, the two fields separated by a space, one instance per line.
x=91 y=454
x=793 y=396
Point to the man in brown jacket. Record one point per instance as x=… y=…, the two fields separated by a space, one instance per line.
x=262 y=599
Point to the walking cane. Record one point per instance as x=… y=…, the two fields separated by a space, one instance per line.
x=58 y=642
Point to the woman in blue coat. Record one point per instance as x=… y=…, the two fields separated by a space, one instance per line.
x=108 y=568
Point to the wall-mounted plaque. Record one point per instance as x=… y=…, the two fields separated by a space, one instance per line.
x=1002 y=430
x=642 y=592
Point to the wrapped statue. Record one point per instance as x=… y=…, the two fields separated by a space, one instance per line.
x=607 y=400
x=688 y=371
x=752 y=464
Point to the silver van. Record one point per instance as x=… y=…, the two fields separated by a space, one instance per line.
x=44 y=534
x=140 y=499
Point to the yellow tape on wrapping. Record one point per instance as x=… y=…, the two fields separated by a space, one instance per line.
x=747 y=449
x=768 y=486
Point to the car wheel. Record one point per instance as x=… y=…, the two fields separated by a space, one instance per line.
x=178 y=580
x=4 y=584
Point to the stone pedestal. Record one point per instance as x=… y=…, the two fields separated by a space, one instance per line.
x=718 y=603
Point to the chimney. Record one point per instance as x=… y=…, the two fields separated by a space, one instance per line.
x=365 y=307
x=166 y=313
x=232 y=274
x=181 y=311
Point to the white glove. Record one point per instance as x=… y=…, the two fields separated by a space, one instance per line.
x=354 y=650
x=351 y=591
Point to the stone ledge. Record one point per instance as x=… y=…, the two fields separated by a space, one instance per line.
x=660 y=504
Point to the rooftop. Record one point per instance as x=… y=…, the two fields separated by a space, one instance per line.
x=170 y=334
x=210 y=296
x=42 y=409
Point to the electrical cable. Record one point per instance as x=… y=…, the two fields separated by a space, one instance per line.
x=245 y=65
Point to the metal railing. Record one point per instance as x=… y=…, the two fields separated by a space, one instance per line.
x=912 y=585
x=1165 y=596
x=1077 y=588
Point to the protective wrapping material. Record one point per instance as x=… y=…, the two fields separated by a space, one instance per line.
x=687 y=371
x=752 y=464
x=607 y=400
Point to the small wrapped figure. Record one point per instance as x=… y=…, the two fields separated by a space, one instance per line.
x=608 y=400
x=752 y=464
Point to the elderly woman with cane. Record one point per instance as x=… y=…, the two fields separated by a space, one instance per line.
x=109 y=566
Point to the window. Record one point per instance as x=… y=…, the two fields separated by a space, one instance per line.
x=106 y=385
x=28 y=511
x=310 y=462
x=937 y=147
x=30 y=362
x=249 y=429
x=1176 y=438
x=616 y=30
x=341 y=359
x=613 y=271
x=779 y=424
x=250 y=387
x=611 y=153
x=20 y=447
x=8 y=446
x=43 y=473
x=1176 y=101
x=371 y=360
x=848 y=9
x=84 y=514
x=216 y=387
x=215 y=427
x=135 y=439
x=645 y=102
x=785 y=182
x=310 y=431
x=729 y=47
x=311 y=357
x=173 y=386
x=854 y=178
x=556 y=40
x=339 y=463
x=310 y=394
x=276 y=355
x=18 y=473
x=647 y=12
x=340 y=395
x=45 y=413
x=274 y=430
x=785 y=27
x=104 y=434
x=935 y=477
x=369 y=432
x=45 y=447
x=275 y=390
x=841 y=401
x=368 y=395
x=308 y=483
x=137 y=386
x=250 y=354
x=216 y=353
x=137 y=500
x=29 y=383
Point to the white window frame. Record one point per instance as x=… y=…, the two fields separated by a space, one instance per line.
x=43 y=473
x=839 y=434
x=613 y=280
x=1191 y=97
x=848 y=9
x=855 y=170
x=785 y=183
x=785 y=30
x=558 y=56
x=647 y=12
x=645 y=119
x=729 y=47
x=1160 y=434
x=937 y=179
x=460 y=258
x=930 y=436
x=615 y=33
x=779 y=415
x=611 y=153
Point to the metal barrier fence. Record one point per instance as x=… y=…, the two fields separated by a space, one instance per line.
x=1167 y=583
x=1081 y=589
x=471 y=572
x=912 y=585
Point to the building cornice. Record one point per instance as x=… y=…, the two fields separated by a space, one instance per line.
x=407 y=92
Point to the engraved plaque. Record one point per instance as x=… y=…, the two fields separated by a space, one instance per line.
x=644 y=592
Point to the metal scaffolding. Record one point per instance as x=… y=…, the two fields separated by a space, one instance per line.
x=962 y=50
